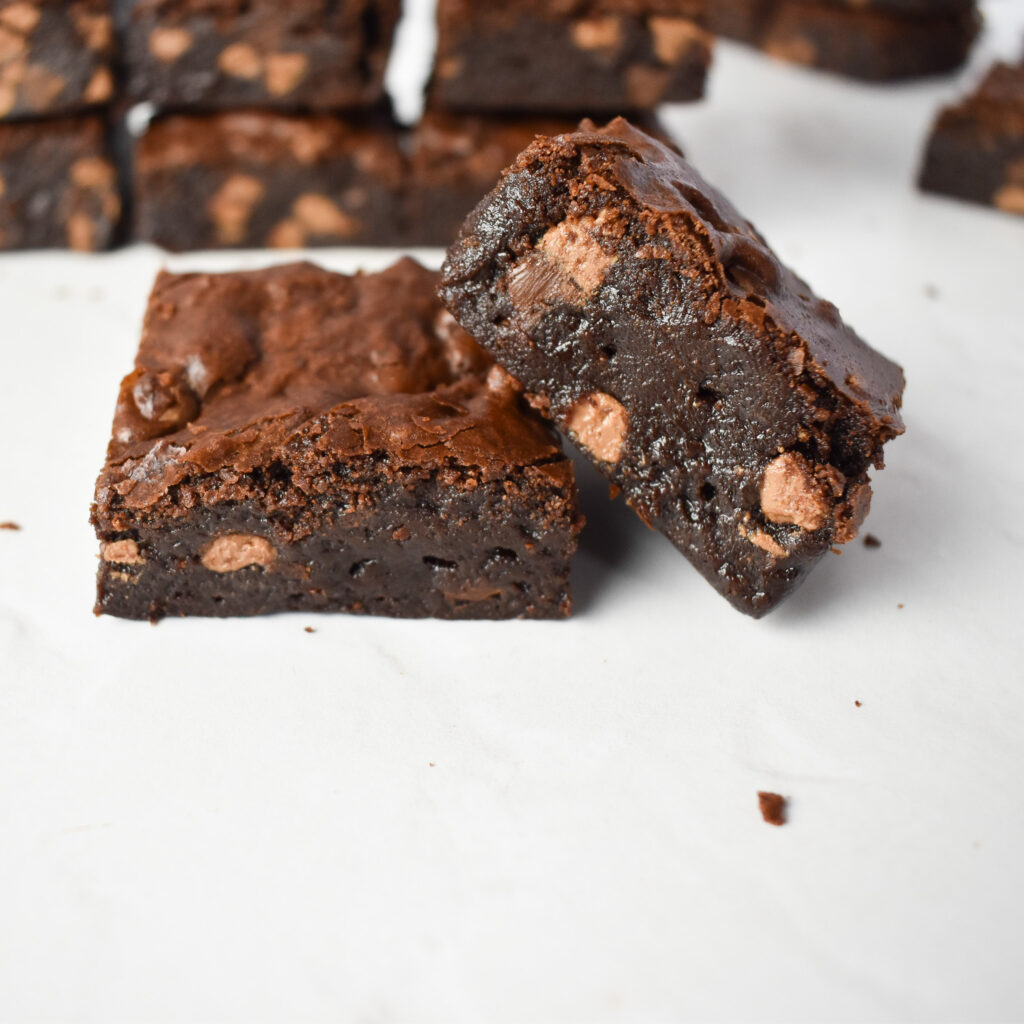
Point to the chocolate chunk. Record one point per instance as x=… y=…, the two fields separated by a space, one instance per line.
x=737 y=412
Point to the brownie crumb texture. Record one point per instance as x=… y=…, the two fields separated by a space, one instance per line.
x=773 y=808
x=9 y=525
x=871 y=541
x=857 y=703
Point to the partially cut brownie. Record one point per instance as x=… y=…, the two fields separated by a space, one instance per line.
x=295 y=439
x=302 y=54
x=976 y=147
x=58 y=185
x=254 y=179
x=858 y=41
x=55 y=56
x=735 y=411
x=561 y=57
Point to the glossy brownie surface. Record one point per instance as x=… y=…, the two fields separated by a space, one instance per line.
x=735 y=410
x=297 y=439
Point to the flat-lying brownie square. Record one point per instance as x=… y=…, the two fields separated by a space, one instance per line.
x=255 y=179
x=858 y=41
x=55 y=56
x=294 y=439
x=735 y=411
x=299 y=54
x=58 y=185
x=599 y=56
x=976 y=147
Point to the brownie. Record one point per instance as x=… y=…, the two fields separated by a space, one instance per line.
x=735 y=411
x=255 y=178
x=218 y=54
x=562 y=56
x=58 y=185
x=976 y=147
x=855 y=41
x=295 y=439
x=55 y=56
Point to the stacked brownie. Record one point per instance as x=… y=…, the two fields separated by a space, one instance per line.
x=272 y=127
x=505 y=73
x=873 y=40
x=58 y=184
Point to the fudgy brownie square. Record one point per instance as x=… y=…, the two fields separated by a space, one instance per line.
x=58 y=185
x=859 y=42
x=295 y=439
x=254 y=179
x=563 y=56
x=976 y=147
x=303 y=54
x=736 y=412
x=55 y=56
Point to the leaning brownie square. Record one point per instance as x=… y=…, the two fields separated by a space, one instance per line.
x=295 y=439
x=55 y=56
x=253 y=179
x=299 y=54
x=58 y=185
x=599 y=56
x=735 y=411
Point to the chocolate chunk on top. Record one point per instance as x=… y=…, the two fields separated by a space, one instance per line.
x=735 y=410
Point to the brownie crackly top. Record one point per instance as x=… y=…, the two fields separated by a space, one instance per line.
x=233 y=370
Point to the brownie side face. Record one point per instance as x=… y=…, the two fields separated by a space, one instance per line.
x=596 y=56
x=255 y=179
x=294 y=439
x=216 y=54
x=55 y=56
x=58 y=185
x=976 y=147
x=857 y=42
x=639 y=310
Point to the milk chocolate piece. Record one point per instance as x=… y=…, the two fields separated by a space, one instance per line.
x=255 y=179
x=857 y=41
x=300 y=55
x=294 y=439
x=593 y=55
x=58 y=185
x=976 y=147
x=736 y=412
x=55 y=56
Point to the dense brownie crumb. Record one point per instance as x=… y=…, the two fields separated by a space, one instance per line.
x=293 y=439
x=773 y=808
x=9 y=526
x=736 y=411
x=871 y=541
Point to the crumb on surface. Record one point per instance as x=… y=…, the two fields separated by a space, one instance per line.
x=871 y=541
x=899 y=605
x=310 y=629
x=773 y=808
x=431 y=764
x=9 y=525
x=858 y=703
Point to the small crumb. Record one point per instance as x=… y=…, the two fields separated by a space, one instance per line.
x=858 y=703
x=931 y=291
x=836 y=551
x=9 y=526
x=773 y=808
x=871 y=541
x=899 y=606
x=431 y=764
x=614 y=490
x=310 y=629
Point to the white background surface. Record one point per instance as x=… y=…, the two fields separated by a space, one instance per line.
x=392 y=821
